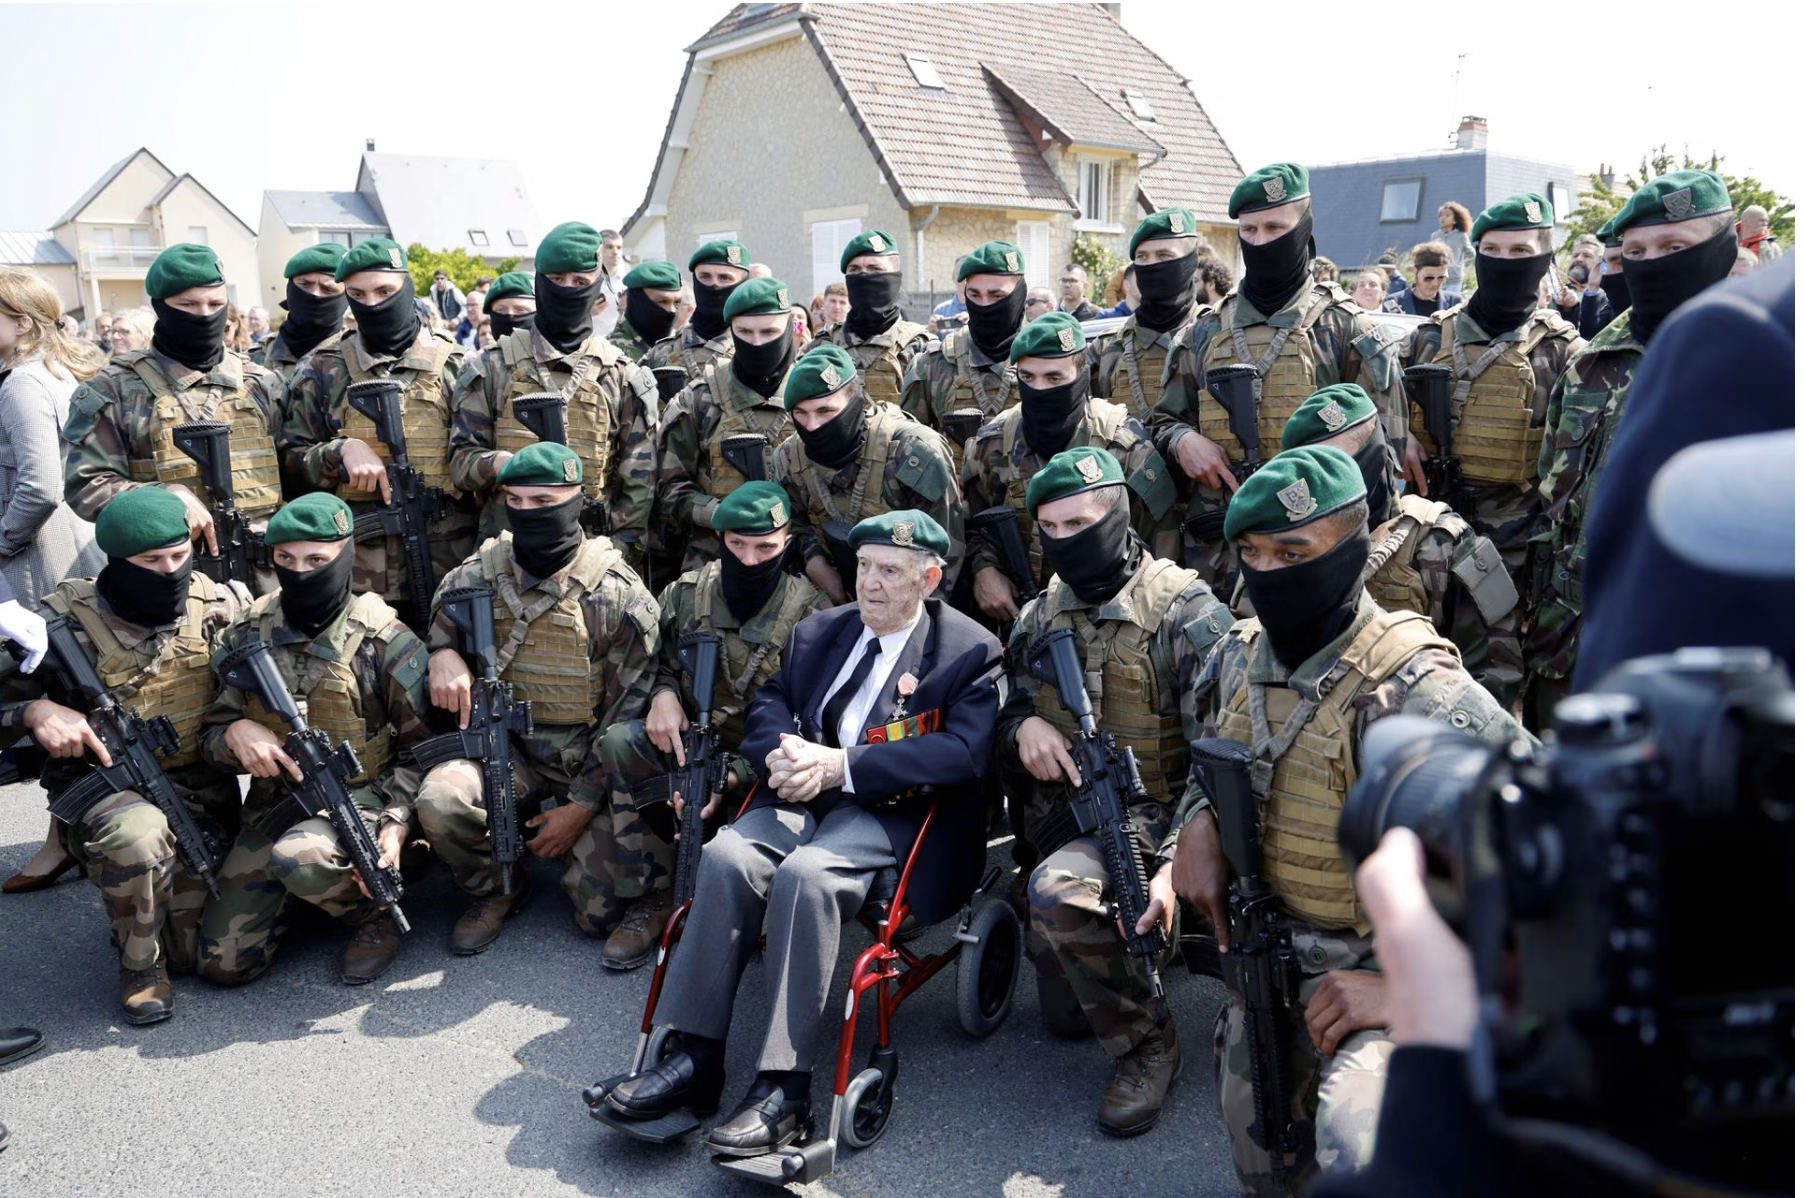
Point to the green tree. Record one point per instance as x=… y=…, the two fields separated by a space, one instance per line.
x=463 y=268
x=1099 y=261
x=1599 y=203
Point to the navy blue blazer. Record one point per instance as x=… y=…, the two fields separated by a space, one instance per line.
x=956 y=663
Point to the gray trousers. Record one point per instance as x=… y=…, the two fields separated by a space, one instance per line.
x=779 y=871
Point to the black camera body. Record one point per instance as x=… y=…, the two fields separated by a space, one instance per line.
x=1627 y=893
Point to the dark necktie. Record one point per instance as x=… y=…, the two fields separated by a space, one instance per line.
x=835 y=711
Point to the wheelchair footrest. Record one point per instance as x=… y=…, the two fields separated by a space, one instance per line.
x=799 y=1163
x=663 y=1130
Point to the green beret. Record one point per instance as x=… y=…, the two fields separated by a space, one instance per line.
x=992 y=258
x=907 y=529
x=542 y=464
x=875 y=242
x=1678 y=195
x=571 y=246
x=315 y=516
x=654 y=276
x=513 y=284
x=180 y=267
x=1269 y=187
x=1295 y=488
x=1167 y=222
x=757 y=297
x=1608 y=233
x=755 y=508
x=821 y=371
x=324 y=256
x=721 y=253
x=139 y=520
x=1070 y=472
x=1526 y=210
x=1329 y=412
x=1054 y=335
x=377 y=253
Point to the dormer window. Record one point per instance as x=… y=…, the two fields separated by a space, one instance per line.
x=925 y=73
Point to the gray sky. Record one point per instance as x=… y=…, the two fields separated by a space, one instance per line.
x=253 y=96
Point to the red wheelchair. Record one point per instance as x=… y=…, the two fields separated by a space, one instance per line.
x=987 y=949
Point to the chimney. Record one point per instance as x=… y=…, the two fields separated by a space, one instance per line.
x=1607 y=175
x=369 y=145
x=1470 y=135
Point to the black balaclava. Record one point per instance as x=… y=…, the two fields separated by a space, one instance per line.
x=652 y=322
x=994 y=326
x=1507 y=292
x=1050 y=415
x=748 y=588
x=1098 y=561
x=1375 y=467
x=197 y=342
x=1276 y=270
x=312 y=599
x=762 y=367
x=875 y=300
x=565 y=315
x=546 y=539
x=1659 y=286
x=710 y=318
x=1304 y=607
x=146 y=598
x=1616 y=288
x=388 y=328
x=839 y=441
x=1168 y=292
x=311 y=318
x=501 y=324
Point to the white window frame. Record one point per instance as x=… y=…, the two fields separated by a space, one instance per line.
x=479 y=238
x=1560 y=201
x=703 y=239
x=926 y=74
x=1416 y=203
x=1139 y=106
x=1037 y=264
x=328 y=238
x=197 y=234
x=1104 y=222
x=828 y=238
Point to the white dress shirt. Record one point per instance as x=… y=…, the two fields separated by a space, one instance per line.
x=852 y=724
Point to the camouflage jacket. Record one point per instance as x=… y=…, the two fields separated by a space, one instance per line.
x=928 y=386
x=630 y=394
x=685 y=468
x=274 y=354
x=688 y=349
x=110 y=419
x=621 y=623
x=1113 y=361
x=627 y=340
x=391 y=674
x=908 y=339
x=993 y=476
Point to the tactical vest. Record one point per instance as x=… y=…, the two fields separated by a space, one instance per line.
x=880 y=363
x=867 y=496
x=1138 y=374
x=328 y=690
x=1304 y=764
x=542 y=640
x=425 y=412
x=256 y=479
x=587 y=420
x=694 y=359
x=744 y=667
x=1286 y=361
x=1105 y=425
x=1120 y=677
x=1496 y=436
x=176 y=682
x=1392 y=578
x=984 y=390
x=767 y=419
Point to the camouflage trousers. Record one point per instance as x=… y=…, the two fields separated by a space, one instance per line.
x=153 y=898
x=1510 y=517
x=242 y=928
x=1551 y=637
x=616 y=860
x=1072 y=934
x=1336 y=1098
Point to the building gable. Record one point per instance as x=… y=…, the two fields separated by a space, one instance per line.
x=124 y=191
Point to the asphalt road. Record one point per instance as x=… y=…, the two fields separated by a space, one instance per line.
x=461 y=1076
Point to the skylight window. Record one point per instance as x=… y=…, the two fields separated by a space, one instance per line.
x=1137 y=104
x=925 y=73
x=516 y=236
x=479 y=237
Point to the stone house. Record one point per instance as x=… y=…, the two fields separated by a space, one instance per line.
x=796 y=126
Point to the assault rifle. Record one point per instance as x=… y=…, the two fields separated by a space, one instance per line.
x=704 y=770
x=1110 y=784
x=1232 y=386
x=495 y=718
x=133 y=742
x=960 y=426
x=325 y=773
x=745 y=452
x=241 y=550
x=1001 y=527
x=413 y=506
x=670 y=380
x=543 y=414
x=1431 y=388
x=1260 y=966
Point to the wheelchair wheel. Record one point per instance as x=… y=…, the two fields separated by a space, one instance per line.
x=869 y=1100
x=988 y=968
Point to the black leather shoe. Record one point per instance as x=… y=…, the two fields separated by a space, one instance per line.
x=672 y=1083
x=16 y=1042
x=763 y=1122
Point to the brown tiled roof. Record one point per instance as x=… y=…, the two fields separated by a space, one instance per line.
x=1069 y=108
